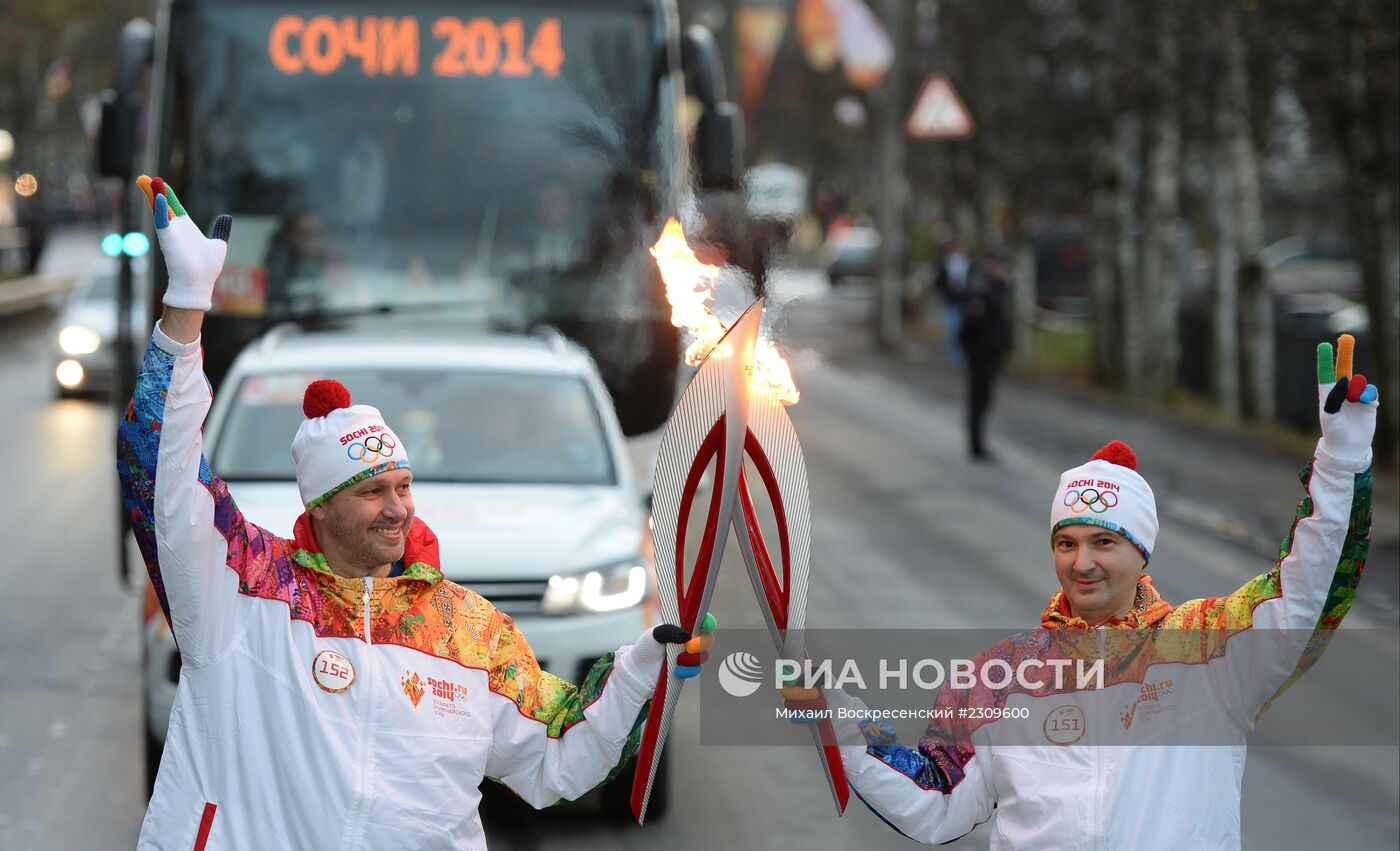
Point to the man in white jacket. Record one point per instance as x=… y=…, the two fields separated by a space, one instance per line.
x=1151 y=753
x=336 y=690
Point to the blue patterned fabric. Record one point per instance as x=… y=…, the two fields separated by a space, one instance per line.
x=138 y=446
x=936 y=765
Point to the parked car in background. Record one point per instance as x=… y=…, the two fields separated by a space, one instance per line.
x=519 y=467
x=1296 y=267
x=776 y=198
x=851 y=252
x=85 y=334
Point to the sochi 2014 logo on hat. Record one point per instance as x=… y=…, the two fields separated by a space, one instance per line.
x=366 y=446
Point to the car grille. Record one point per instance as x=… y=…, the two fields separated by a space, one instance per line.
x=513 y=597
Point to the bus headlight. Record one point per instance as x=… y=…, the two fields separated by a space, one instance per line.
x=606 y=590
x=77 y=340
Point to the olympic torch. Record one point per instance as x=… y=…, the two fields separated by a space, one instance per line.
x=721 y=417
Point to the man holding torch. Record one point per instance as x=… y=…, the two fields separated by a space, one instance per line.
x=336 y=690
x=1122 y=766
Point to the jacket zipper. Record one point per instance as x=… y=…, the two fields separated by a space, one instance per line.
x=1098 y=832
x=366 y=717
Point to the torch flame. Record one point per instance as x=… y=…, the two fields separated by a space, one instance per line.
x=690 y=286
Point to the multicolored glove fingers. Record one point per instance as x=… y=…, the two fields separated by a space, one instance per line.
x=1326 y=373
x=697 y=649
x=1336 y=397
x=1345 y=345
x=162 y=213
x=1355 y=387
x=808 y=701
x=797 y=693
x=155 y=186
x=1346 y=386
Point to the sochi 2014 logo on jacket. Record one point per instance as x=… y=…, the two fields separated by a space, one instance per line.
x=448 y=698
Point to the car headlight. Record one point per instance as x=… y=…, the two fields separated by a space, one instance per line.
x=77 y=340
x=605 y=590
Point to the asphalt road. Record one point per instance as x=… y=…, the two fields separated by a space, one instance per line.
x=906 y=533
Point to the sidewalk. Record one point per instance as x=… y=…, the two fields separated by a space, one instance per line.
x=68 y=252
x=1230 y=480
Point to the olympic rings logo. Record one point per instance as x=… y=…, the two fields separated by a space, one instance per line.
x=372 y=449
x=1090 y=499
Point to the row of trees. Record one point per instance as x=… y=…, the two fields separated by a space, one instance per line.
x=55 y=55
x=1225 y=125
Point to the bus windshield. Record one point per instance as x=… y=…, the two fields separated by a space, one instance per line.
x=512 y=157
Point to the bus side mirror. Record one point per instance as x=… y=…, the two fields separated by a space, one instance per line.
x=719 y=146
x=116 y=139
x=719 y=138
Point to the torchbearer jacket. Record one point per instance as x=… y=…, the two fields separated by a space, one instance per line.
x=1153 y=759
x=318 y=711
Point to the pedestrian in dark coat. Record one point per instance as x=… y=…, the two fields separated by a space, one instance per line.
x=985 y=338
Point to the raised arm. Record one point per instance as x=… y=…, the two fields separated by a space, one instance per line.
x=184 y=520
x=1278 y=623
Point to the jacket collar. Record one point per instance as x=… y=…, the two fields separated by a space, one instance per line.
x=1148 y=609
x=420 y=551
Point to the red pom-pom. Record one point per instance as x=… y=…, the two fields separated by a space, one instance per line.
x=324 y=396
x=1117 y=452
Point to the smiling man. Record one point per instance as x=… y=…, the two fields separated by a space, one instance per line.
x=1150 y=753
x=336 y=691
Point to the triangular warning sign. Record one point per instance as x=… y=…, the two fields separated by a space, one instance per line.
x=939 y=113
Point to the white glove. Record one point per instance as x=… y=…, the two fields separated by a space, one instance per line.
x=1346 y=411
x=645 y=658
x=193 y=262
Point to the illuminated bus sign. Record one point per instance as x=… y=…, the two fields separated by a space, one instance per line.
x=479 y=47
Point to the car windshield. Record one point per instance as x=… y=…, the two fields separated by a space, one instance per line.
x=458 y=426
x=506 y=157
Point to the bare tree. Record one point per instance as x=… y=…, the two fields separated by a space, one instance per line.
x=1162 y=206
x=1256 y=304
x=1224 y=294
x=1358 y=33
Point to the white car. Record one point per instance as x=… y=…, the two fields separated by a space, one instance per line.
x=85 y=334
x=519 y=467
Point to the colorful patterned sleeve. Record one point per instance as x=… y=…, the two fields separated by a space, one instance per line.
x=934 y=793
x=188 y=529
x=1303 y=599
x=554 y=741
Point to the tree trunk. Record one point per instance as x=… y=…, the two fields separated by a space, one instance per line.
x=1162 y=207
x=1130 y=355
x=1224 y=364
x=1372 y=210
x=1256 y=304
x=1103 y=303
x=893 y=186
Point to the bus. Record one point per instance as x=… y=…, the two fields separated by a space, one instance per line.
x=507 y=164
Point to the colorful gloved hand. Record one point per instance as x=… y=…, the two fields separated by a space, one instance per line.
x=649 y=653
x=805 y=705
x=697 y=649
x=193 y=261
x=1346 y=403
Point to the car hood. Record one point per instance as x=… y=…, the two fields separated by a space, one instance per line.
x=100 y=315
x=489 y=532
